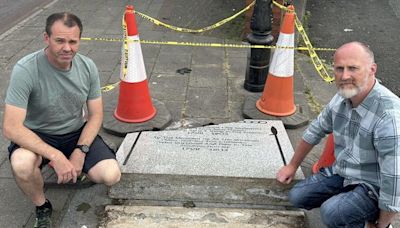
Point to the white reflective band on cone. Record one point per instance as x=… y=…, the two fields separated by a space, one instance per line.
x=282 y=64
x=136 y=71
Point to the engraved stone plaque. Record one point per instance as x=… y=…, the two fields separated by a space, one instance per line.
x=243 y=149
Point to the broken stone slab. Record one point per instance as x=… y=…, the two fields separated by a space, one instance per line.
x=233 y=163
x=145 y=216
x=243 y=149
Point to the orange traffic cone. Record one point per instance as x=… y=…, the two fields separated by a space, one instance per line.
x=277 y=98
x=134 y=101
x=327 y=157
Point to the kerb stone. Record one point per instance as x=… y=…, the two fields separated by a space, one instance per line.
x=143 y=216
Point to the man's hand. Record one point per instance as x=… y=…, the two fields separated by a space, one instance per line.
x=77 y=159
x=64 y=169
x=373 y=225
x=286 y=174
x=370 y=225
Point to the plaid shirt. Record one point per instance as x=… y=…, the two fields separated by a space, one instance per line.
x=367 y=145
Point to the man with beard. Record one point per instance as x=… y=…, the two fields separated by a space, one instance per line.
x=43 y=116
x=363 y=185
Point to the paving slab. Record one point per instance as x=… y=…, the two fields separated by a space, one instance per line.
x=168 y=87
x=205 y=102
x=86 y=207
x=237 y=66
x=59 y=198
x=168 y=65
x=142 y=216
x=208 y=75
x=208 y=55
x=10 y=48
x=5 y=167
x=15 y=208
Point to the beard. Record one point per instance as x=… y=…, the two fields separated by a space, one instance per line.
x=349 y=92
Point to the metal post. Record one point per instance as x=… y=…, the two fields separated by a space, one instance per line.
x=258 y=61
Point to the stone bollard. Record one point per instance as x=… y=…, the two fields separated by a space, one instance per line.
x=258 y=61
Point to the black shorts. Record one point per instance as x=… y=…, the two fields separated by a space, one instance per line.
x=66 y=144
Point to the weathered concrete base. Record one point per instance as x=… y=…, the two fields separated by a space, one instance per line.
x=298 y=119
x=113 y=126
x=143 y=216
x=243 y=192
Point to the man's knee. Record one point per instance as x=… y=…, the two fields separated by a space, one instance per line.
x=105 y=172
x=298 y=199
x=23 y=162
x=330 y=212
x=350 y=209
x=334 y=212
x=112 y=177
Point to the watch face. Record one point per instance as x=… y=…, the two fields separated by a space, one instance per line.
x=84 y=148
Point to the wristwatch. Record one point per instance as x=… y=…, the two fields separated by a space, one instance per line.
x=83 y=148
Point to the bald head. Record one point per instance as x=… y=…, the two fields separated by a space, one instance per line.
x=357 y=47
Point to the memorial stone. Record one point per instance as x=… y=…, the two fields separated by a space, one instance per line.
x=243 y=149
x=228 y=164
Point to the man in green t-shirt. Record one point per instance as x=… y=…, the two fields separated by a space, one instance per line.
x=44 y=118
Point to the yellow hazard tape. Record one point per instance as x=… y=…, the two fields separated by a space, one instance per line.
x=319 y=66
x=227 y=45
x=109 y=87
x=125 y=47
x=188 y=30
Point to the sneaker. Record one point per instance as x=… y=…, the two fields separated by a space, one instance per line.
x=43 y=217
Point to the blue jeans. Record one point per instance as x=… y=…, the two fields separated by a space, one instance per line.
x=349 y=206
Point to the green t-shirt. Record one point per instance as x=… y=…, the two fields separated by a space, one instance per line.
x=54 y=99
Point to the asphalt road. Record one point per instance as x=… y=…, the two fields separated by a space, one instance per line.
x=375 y=22
x=14 y=11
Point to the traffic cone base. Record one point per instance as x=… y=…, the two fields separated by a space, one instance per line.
x=328 y=155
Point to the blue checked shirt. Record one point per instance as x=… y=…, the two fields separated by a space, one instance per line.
x=367 y=146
